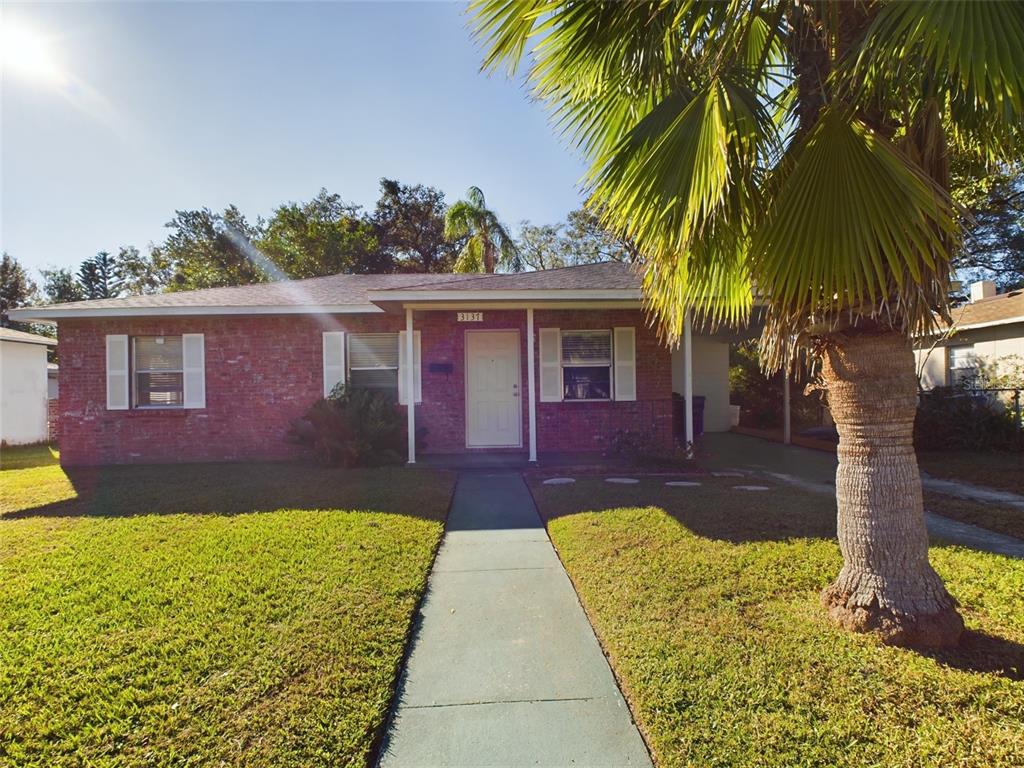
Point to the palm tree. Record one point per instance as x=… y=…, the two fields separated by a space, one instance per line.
x=488 y=243
x=802 y=148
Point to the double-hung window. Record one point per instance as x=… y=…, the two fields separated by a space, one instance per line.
x=373 y=360
x=586 y=365
x=158 y=372
x=963 y=365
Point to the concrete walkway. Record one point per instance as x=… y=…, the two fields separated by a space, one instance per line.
x=505 y=669
x=815 y=471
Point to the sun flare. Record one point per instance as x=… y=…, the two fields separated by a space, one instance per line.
x=27 y=53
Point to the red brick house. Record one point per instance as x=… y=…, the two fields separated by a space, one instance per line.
x=536 y=362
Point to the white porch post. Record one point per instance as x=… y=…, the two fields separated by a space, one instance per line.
x=410 y=385
x=787 y=433
x=531 y=386
x=688 y=380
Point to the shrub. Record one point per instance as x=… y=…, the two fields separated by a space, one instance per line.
x=952 y=418
x=353 y=427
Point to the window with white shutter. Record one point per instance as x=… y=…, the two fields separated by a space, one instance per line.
x=625 y=363
x=193 y=354
x=117 y=373
x=158 y=372
x=373 y=361
x=586 y=365
x=550 y=365
x=334 y=360
x=417 y=369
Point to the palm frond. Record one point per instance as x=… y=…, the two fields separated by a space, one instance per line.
x=471 y=257
x=460 y=220
x=856 y=228
x=967 y=52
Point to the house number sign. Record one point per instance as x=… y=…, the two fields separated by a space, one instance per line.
x=469 y=317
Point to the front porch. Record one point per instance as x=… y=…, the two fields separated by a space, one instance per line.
x=518 y=380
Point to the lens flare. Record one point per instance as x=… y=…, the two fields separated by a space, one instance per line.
x=26 y=53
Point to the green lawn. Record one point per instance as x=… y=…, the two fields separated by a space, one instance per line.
x=209 y=614
x=706 y=600
x=995 y=469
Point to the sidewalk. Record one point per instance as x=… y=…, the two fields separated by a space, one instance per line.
x=505 y=669
x=815 y=471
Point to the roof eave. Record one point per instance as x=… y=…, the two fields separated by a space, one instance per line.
x=49 y=314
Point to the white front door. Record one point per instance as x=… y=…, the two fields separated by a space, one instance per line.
x=493 y=415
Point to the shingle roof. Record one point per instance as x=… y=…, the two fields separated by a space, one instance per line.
x=10 y=334
x=610 y=275
x=345 y=291
x=331 y=290
x=1000 y=309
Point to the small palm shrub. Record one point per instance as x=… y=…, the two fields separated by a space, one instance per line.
x=353 y=427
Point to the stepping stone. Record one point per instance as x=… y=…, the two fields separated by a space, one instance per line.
x=622 y=480
x=751 y=488
x=730 y=473
x=559 y=481
x=681 y=483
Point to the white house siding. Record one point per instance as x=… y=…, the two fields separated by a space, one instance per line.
x=993 y=343
x=710 y=379
x=23 y=392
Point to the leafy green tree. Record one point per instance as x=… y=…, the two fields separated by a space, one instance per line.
x=488 y=244
x=581 y=239
x=994 y=245
x=410 y=226
x=324 y=236
x=138 y=273
x=61 y=286
x=16 y=288
x=541 y=246
x=802 y=148
x=99 y=277
x=208 y=250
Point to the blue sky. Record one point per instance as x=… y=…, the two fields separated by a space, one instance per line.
x=163 y=106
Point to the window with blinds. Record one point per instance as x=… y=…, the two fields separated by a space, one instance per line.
x=157 y=363
x=586 y=365
x=373 y=360
x=963 y=366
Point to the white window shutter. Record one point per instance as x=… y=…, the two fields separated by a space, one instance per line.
x=117 y=373
x=334 y=360
x=417 y=367
x=193 y=363
x=550 y=365
x=624 y=349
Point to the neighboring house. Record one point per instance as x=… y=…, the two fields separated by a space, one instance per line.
x=990 y=328
x=52 y=381
x=23 y=386
x=559 y=360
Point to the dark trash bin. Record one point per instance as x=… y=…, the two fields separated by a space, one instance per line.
x=678 y=413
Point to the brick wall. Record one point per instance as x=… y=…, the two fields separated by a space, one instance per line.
x=52 y=419
x=583 y=426
x=264 y=371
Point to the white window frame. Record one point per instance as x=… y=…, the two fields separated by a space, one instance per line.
x=397 y=368
x=589 y=364
x=963 y=353
x=135 y=371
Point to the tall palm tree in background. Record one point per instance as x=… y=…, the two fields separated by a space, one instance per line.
x=802 y=147
x=488 y=244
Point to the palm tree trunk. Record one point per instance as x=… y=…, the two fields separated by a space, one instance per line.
x=886 y=586
x=488 y=256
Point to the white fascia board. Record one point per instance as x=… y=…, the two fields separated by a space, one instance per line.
x=428 y=306
x=43 y=314
x=972 y=327
x=555 y=294
x=48 y=343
